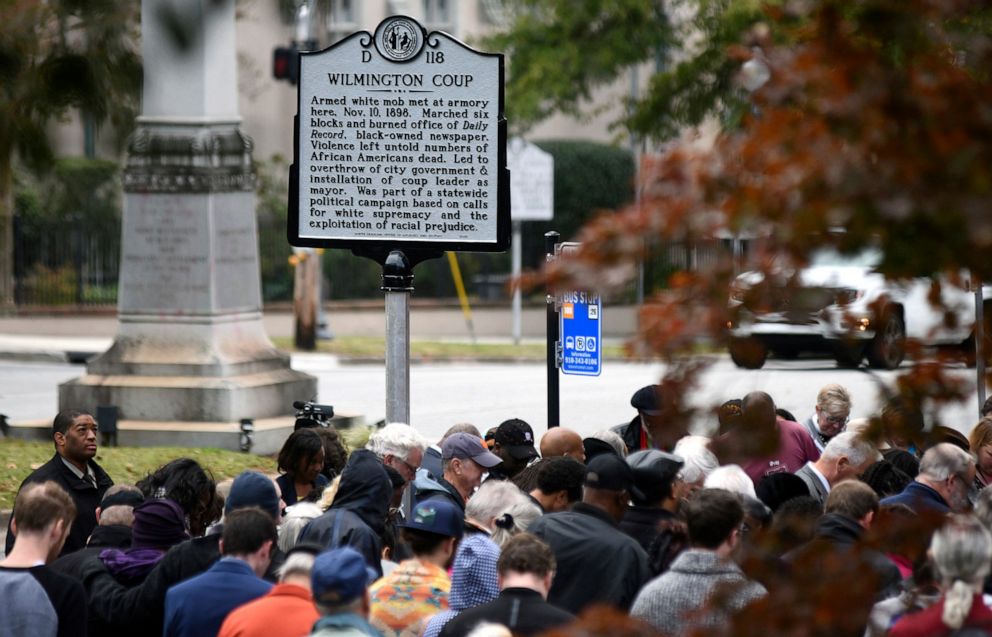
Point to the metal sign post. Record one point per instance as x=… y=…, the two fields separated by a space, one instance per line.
x=551 y=329
x=532 y=198
x=400 y=155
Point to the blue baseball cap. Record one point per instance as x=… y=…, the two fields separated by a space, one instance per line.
x=436 y=516
x=339 y=576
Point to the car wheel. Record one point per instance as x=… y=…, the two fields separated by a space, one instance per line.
x=848 y=355
x=748 y=353
x=888 y=348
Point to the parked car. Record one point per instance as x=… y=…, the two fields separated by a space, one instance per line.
x=841 y=305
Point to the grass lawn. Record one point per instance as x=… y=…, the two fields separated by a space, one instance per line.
x=124 y=464
x=375 y=347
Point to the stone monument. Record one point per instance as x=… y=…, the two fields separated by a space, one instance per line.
x=190 y=344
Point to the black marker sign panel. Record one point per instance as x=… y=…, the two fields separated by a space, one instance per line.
x=400 y=143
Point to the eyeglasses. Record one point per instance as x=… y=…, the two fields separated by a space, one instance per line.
x=837 y=420
x=409 y=467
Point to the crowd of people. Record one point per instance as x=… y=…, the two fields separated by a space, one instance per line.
x=772 y=525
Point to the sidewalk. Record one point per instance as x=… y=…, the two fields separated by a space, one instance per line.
x=74 y=338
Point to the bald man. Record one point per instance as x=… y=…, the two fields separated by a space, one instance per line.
x=561 y=441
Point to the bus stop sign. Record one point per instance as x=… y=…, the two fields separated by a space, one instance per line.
x=581 y=334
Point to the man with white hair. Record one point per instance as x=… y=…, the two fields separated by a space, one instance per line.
x=399 y=446
x=830 y=416
x=845 y=457
x=946 y=473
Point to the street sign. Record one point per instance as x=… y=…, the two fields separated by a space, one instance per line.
x=400 y=144
x=581 y=334
x=532 y=189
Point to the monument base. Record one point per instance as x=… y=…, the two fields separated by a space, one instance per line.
x=190 y=398
x=268 y=437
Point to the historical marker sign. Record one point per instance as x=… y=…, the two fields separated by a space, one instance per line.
x=400 y=143
x=532 y=191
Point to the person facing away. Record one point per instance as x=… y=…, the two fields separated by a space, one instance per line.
x=526 y=568
x=198 y=606
x=285 y=611
x=357 y=517
x=562 y=441
x=418 y=588
x=73 y=468
x=676 y=602
x=474 y=580
x=597 y=562
x=115 y=515
x=962 y=554
x=339 y=581
x=40 y=602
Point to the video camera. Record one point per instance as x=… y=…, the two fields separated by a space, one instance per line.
x=310 y=414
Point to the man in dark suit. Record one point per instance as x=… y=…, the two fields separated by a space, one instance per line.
x=845 y=457
x=72 y=468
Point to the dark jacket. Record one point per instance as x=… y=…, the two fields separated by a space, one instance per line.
x=287 y=488
x=116 y=609
x=84 y=495
x=357 y=518
x=837 y=533
x=644 y=523
x=660 y=533
x=111 y=536
x=426 y=487
x=597 y=562
x=920 y=498
x=631 y=434
x=522 y=610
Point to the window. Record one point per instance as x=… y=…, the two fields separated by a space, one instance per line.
x=439 y=15
x=342 y=19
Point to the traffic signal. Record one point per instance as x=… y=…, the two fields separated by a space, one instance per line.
x=285 y=64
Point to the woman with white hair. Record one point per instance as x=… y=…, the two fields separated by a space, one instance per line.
x=962 y=556
x=699 y=462
x=501 y=509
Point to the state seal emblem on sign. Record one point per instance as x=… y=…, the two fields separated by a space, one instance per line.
x=399 y=39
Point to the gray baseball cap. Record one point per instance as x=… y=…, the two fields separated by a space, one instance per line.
x=465 y=445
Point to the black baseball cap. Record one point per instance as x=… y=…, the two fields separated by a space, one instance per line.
x=517 y=437
x=609 y=472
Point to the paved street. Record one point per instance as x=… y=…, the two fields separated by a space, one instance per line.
x=485 y=394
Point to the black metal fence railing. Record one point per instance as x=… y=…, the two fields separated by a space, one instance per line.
x=59 y=262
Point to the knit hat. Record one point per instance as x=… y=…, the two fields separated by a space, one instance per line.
x=253 y=489
x=158 y=524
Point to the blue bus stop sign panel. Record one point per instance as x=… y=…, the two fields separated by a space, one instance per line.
x=581 y=334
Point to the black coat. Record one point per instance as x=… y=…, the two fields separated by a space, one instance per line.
x=83 y=493
x=357 y=518
x=522 y=610
x=597 y=562
x=631 y=434
x=111 y=536
x=644 y=524
x=838 y=534
x=118 y=610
